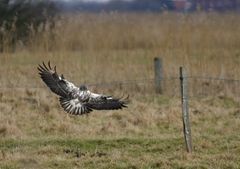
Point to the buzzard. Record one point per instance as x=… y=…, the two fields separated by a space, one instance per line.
x=77 y=100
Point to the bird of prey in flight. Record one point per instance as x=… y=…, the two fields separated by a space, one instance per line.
x=77 y=100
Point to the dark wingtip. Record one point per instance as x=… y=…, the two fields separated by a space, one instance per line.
x=39 y=68
x=124 y=105
x=49 y=64
x=45 y=66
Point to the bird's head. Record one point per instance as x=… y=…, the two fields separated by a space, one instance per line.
x=83 y=88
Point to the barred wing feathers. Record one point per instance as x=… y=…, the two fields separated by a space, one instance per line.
x=74 y=106
x=74 y=100
x=56 y=83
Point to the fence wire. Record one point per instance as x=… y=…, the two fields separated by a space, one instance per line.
x=198 y=86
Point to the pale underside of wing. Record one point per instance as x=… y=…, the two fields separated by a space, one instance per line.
x=74 y=106
x=72 y=99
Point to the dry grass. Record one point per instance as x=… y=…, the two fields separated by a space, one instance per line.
x=36 y=133
x=206 y=44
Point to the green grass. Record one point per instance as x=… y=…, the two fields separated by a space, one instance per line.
x=119 y=153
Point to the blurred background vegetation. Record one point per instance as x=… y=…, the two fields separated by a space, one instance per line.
x=18 y=18
x=116 y=50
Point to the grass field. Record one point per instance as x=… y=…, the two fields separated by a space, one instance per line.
x=88 y=48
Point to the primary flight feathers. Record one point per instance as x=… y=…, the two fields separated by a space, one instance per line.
x=77 y=100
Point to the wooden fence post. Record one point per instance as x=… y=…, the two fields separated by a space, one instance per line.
x=185 y=110
x=158 y=74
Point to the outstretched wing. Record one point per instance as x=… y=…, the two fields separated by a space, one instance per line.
x=101 y=102
x=74 y=106
x=56 y=83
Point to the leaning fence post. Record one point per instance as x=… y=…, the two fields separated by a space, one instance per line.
x=185 y=110
x=158 y=74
